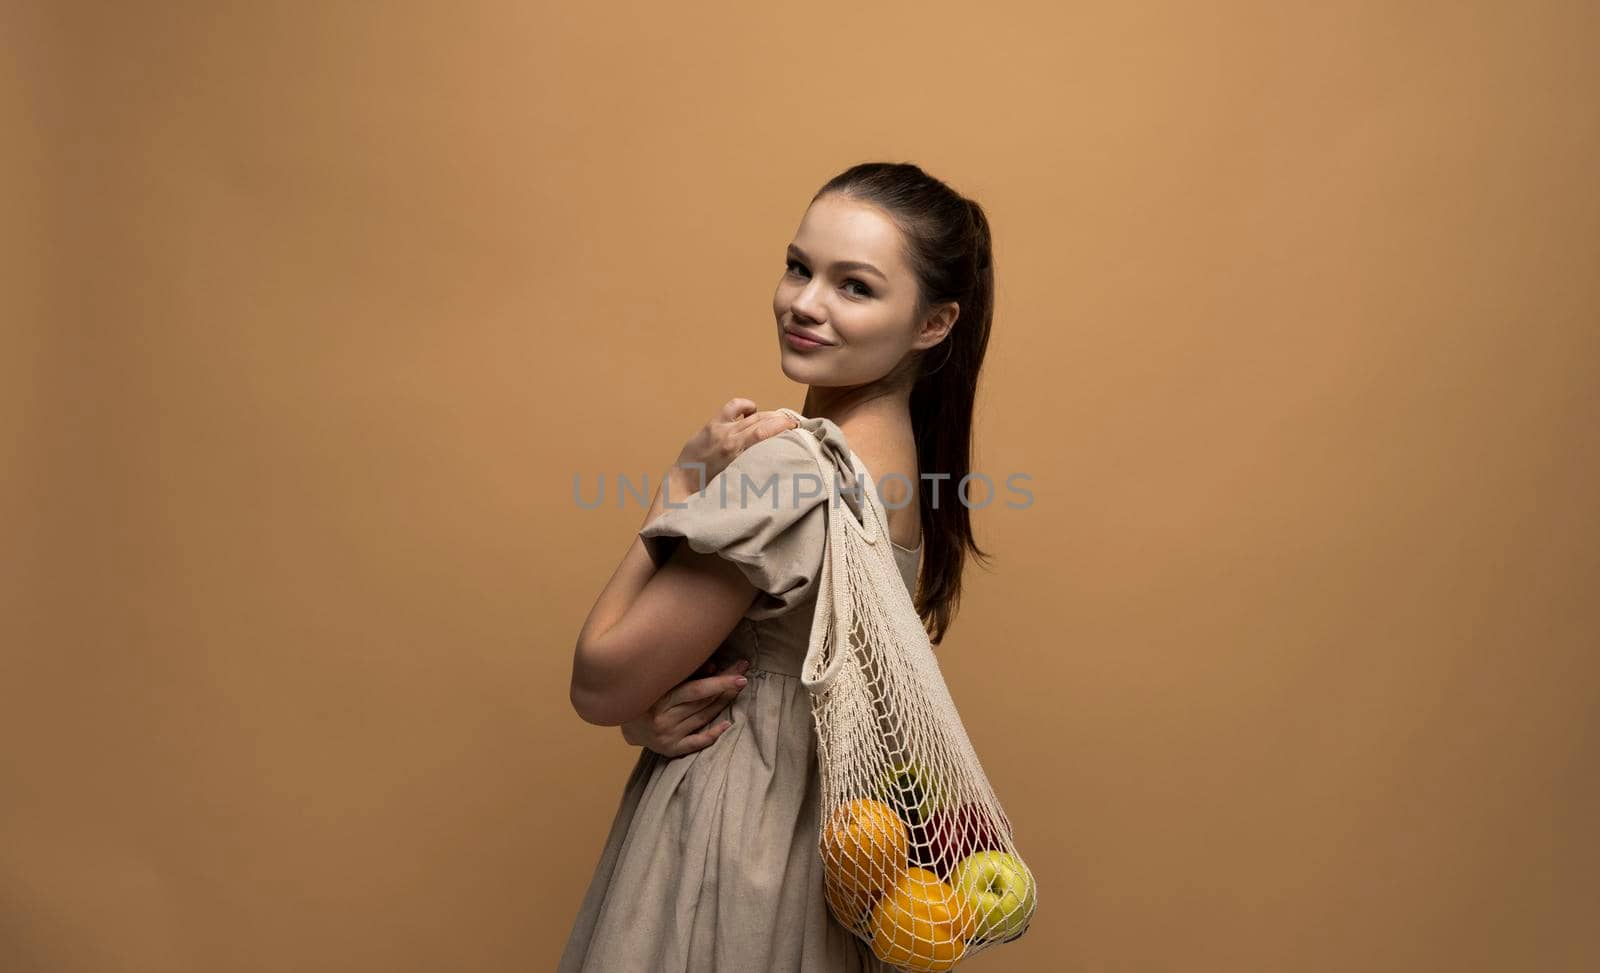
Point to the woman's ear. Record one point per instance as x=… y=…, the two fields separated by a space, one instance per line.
x=937 y=326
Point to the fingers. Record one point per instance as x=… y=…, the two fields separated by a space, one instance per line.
x=671 y=743
x=688 y=706
x=690 y=742
x=756 y=417
x=703 y=739
x=762 y=425
x=690 y=689
x=703 y=687
x=700 y=699
x=735 y=408
x=749 y=420
x=700 y=717
x=709 y=696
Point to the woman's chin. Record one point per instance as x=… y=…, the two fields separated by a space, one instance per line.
x=795 y=371
x=791 y=358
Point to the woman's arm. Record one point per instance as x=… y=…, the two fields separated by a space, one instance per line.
x=650 y=628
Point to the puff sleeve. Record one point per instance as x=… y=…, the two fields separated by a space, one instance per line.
x=766 y=512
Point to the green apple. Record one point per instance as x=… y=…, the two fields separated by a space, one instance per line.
x=912 y=790
x=1000 y=889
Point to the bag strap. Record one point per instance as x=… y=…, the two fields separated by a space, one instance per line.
x=874 y=522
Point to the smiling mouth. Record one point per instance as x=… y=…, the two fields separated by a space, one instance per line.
x=801 y=343
x=803 y=336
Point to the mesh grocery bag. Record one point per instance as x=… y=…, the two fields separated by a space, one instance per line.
x=919 y=859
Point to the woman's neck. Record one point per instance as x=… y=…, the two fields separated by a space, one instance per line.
x=877 y=425
x=873 y=411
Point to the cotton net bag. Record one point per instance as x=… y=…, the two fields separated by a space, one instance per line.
x=919 y=859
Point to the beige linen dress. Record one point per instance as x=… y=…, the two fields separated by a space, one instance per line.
x=711 y=864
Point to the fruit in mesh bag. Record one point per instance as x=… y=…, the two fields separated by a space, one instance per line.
x=921 y=923
x=953 y=833
x=913 y=790
x=863 y=855
x=1000 y=891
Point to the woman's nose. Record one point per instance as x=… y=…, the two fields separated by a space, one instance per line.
x=806 y=306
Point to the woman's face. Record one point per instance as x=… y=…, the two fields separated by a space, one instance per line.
x=846 y=282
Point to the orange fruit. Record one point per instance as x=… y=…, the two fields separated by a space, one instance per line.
x=921 y=923
x=864 y=852
x=848 y=905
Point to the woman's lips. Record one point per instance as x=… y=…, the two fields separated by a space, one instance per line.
x=801 y=343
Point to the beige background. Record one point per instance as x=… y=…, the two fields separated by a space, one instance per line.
x=315 y=310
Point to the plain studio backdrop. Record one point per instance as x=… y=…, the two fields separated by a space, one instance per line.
x=314 y=312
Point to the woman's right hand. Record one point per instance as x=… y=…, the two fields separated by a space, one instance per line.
x=675 y=724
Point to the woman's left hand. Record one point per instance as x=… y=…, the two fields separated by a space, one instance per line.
x=735 y=428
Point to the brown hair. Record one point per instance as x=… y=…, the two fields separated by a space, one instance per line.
x=947 y=245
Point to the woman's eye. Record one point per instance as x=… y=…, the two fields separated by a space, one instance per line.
x=796 y=266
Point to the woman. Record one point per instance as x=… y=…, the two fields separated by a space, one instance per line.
x=883 y=311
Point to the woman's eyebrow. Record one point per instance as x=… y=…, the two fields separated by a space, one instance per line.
x=841 y=264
